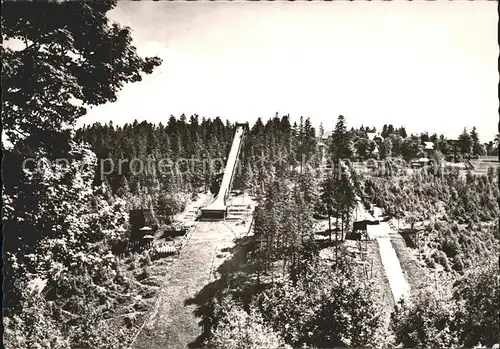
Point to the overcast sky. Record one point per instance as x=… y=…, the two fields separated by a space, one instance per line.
x=426 y=65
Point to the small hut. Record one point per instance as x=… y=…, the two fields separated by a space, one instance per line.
x=428 y=148
x=360 y=228
x=147 y=237
x=175 y=229
x=419 y=163
x=139 y=220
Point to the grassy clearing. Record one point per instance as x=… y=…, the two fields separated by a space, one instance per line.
x=177 y=319
x=147 y=271
x=414 y=272
x=420 y=276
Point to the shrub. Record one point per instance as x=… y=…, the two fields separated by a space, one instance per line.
x=331 y=309
x=144 y=274
x=35 y=327
x=430 y=262
x=424 y=321
x=145 y=258
x=458 y=264
x=440 y=258
x=469 y=317
x=170 y=204
x=478 y=297
x=463 y=203
x=237 y=329
x=450 y=245
x=134 y=261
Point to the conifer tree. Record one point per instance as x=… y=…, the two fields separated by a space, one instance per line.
x=476 y=145
x=341 y=142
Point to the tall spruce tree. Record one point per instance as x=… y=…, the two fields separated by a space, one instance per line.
x=341 y=142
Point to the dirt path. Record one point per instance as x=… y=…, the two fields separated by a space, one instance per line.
x=174 y=324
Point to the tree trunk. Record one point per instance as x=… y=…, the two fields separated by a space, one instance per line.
x=330 y=225
x=347 y=221
x=336 y=238
x=272 y=272
x=336 y=221
x=342 y=227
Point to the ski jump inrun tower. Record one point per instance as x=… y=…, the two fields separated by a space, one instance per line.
x=217 y=208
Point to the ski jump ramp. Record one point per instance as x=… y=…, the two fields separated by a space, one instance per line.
x=217 y=208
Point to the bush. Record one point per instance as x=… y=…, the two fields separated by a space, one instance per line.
x=171 y=204
x=422 y=196
x=145 y=259
x=42 y=324
x=478 y=297
x=424 y=321
x=237 y=329
x=35 y=327
x=430 y=262
x=134 y=261
x=458 y=264
x=143 y=275
x=440 y=258
x=331 y=309
x=450 y=245
x=464 y=320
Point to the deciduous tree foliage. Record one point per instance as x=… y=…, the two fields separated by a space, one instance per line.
x=426 y=321
x=478 y=304
x=58 y=58
x=62 y=235
x=463 y=228
x=325 y=309
x=64 y=52
x=237 y=328
x=467 y=319
x=411 y=148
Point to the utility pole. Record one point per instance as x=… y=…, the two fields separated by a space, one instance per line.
x=418 y=243
x=435 y=279
x=366 y=241
x=398 y=221
x=206 y=177
x=336 y=240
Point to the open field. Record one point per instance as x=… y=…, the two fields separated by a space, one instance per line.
x=413 y=270
x=482 y=164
